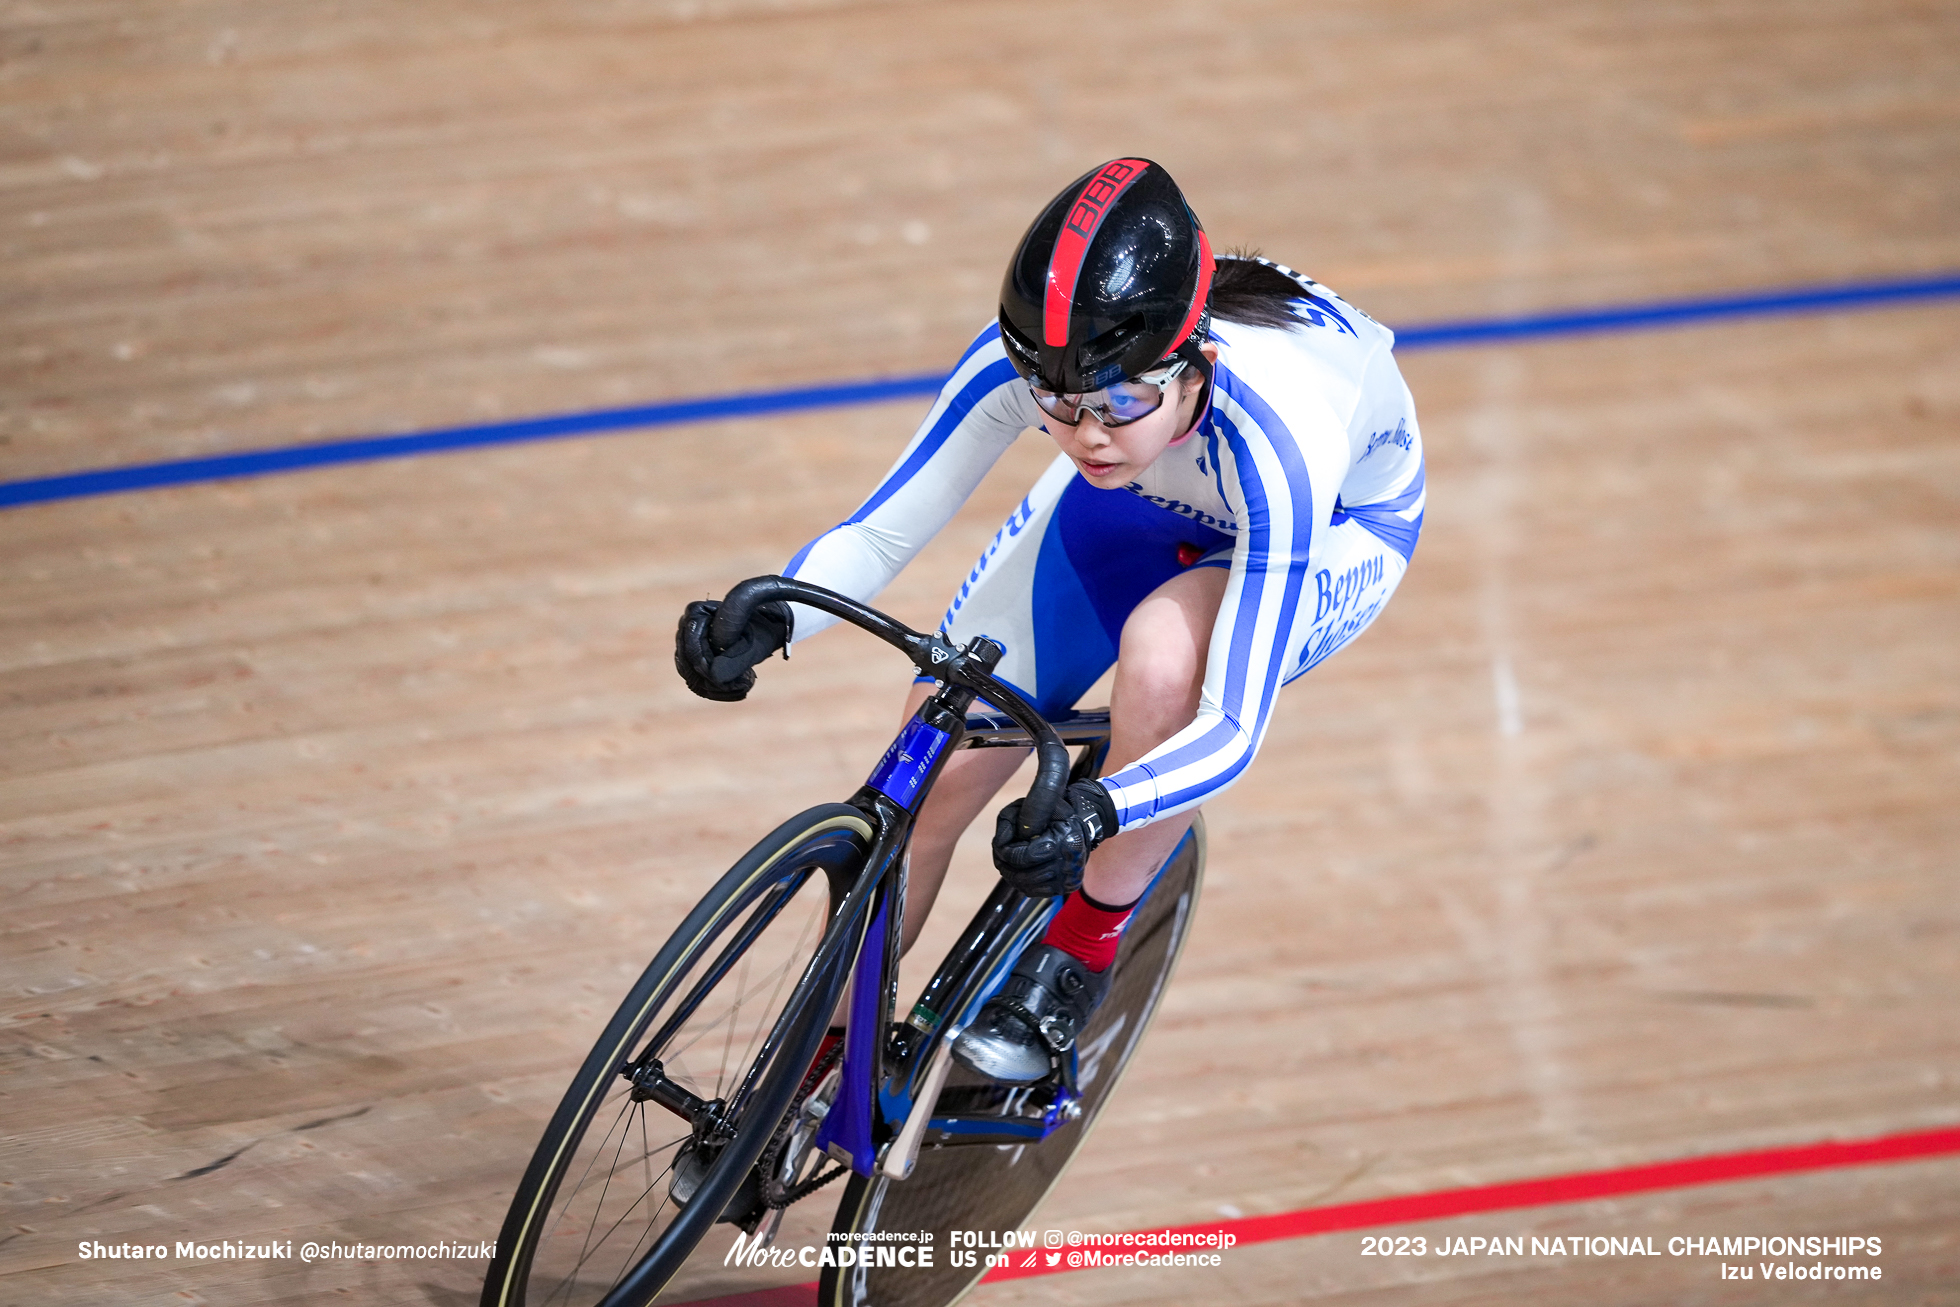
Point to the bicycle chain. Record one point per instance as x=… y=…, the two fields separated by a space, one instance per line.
x=810 y=1186
x=773 y=1193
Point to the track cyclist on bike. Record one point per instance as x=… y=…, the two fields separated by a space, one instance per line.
x=1239 y=490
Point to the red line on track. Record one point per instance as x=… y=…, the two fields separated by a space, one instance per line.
x=1578 y=1187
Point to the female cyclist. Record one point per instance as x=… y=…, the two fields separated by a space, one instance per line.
x=1239 y=490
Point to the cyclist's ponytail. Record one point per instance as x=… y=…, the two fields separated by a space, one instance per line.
x=1252 y=293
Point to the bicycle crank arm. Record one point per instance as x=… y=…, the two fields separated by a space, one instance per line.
x=997 y=1115
x=903 y=1154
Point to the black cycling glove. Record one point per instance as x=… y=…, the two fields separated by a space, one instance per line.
x=1051 y=863
x=729 y=674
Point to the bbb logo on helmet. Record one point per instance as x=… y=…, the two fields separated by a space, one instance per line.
x=1088 y=210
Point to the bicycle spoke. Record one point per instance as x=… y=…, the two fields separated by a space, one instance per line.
x=592 y=1245
x=646 y=1155
x=765 y=912
x=599 y=1207
x=777 y=974
x=728 y=1045
x=712 y=1026
x=652 y=1219
x=628 y=1109
x=565 y=1210
x=796 y=950
x=709 y=1005
x=633 y=1253
x=672 y=1058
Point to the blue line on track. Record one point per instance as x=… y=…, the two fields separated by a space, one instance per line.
x=1669 y=313
x=1436 y=335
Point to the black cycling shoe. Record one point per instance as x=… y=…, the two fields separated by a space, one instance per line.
x=1043 y=1005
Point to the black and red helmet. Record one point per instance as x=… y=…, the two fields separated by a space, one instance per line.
x=1112 y=279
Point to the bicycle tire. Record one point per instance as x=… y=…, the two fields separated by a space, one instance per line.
x=998 y=1188
x=760 y=926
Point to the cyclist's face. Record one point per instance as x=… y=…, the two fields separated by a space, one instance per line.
x=1109 y=458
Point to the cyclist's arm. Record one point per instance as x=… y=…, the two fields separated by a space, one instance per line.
x=980 y=410
x=1287 y=493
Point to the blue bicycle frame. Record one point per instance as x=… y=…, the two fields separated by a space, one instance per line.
x=889 y=1074
x=901 y=1070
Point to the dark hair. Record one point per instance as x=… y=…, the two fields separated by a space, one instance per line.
x=1253 y=294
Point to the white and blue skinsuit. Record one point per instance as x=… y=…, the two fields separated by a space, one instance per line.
x=1304 y=477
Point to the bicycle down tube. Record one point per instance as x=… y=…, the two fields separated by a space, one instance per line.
x=876 y=1097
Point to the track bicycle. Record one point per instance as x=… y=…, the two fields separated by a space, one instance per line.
x=703 y=1101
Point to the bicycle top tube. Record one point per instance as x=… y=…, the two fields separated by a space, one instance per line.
x=994 y=730
x=932 y=655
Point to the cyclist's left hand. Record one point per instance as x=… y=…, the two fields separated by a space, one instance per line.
x=1052 y=862
x=728 y=674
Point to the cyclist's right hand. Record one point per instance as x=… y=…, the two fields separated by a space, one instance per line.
x=1052 y=863
x=727 y=674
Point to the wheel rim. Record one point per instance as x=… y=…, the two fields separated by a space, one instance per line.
x=999 y=1188
x=711 y=1016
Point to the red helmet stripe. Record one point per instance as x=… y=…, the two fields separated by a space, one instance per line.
x=1072 y=245
x=1205 y=266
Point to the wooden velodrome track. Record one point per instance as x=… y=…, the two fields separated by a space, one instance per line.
x=339 y=807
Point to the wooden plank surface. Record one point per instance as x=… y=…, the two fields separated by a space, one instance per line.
x=336 y=810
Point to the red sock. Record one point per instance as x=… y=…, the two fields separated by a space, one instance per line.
x=1089 y=931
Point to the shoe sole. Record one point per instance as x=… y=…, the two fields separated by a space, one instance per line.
x=1004 y=1072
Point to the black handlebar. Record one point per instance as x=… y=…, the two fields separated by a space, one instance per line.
x=933 y=656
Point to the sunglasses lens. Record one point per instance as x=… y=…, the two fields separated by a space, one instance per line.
x=1132 y=400
x=1113 y=406
x=1063 y=407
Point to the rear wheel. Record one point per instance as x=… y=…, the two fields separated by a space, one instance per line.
x=657 y=1137
x=977 y=1187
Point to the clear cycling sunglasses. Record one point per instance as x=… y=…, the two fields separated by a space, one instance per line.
x=1113 y=406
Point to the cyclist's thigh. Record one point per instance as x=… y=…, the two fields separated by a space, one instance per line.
x=1352 y=575
x=1064 y=574
x=1160 y=670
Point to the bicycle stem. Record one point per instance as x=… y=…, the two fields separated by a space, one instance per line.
x=933 y=656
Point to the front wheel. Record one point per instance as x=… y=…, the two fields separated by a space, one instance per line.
x=996 y=1188
x=655 y=1138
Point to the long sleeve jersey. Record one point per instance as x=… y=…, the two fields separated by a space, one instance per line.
x=1308 y=429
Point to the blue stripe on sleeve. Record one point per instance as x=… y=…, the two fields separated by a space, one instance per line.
x=802 y=554
x=984 y=383
x=1300 y=488
x=1259 y=553
x=1245 y=618
x=1399 y=534
x=987 y=336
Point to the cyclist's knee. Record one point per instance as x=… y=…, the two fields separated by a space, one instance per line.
x=1165 y=638
x=1162 y=676
x=1159 y=676
x=970 y=780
